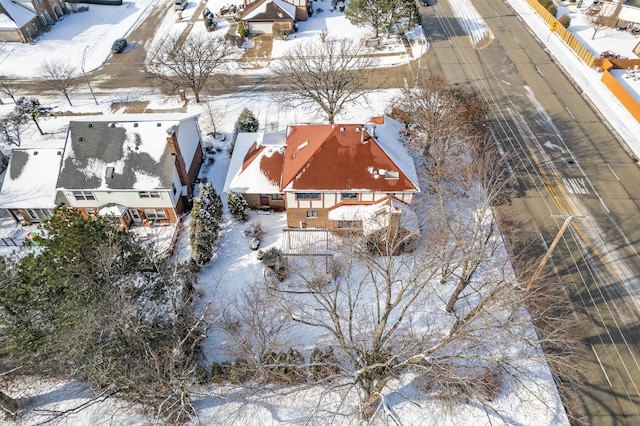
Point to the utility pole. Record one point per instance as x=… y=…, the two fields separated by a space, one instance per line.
x=553 y=245
x=84 y=57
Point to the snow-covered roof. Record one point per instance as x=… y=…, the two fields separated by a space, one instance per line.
x=375 y=217
x=256 y=163
x=128 y=151
x=116 y=210
x=17 y=15
x=30 y=180
x=270 y=10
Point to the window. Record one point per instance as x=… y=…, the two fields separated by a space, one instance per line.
x=312 y=213
x=349 y=196
x=83 y=195
x=173 y=189
x=149 y=194
x=276 y=197
x=91 y=211
x=155 y=214
x=392 y=174
x=308 y=196
x=32 y=214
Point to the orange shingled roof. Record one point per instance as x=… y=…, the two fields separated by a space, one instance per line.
x=251 y=155
x=334 y=157
x=271 y=166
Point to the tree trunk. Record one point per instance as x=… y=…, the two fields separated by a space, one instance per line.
x=456 y=293
x=68 y=100
x=37 y=125
x=196 y=95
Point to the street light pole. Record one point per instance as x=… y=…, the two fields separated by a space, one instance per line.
x=84 y=57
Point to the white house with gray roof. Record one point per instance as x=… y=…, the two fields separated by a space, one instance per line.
x=136 y=167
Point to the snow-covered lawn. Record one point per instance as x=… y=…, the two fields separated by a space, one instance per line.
x=235 y=266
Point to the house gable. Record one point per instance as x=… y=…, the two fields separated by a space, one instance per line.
x=269 y=10
x=256 y=164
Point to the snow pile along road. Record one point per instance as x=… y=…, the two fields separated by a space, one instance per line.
x=472 y=23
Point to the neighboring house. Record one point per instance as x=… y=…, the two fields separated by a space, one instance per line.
x=138 y=168
x=330 y=176
x=29 y=188
x=274 y=16
x=624 y=12
x=23 y=20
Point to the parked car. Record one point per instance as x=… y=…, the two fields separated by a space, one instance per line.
x=180 y=4
x=119 y=45
x=426 y=2
x=609 y=55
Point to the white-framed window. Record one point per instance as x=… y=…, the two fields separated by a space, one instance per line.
x=32 y=214
x=83 y=195
x=349 y=196
x=149 y=194
x=91 y=211
x=312 y=213
x=307 y=196
x=155 y=214
x=276 y=197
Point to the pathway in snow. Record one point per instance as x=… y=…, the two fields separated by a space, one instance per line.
x=472 y=23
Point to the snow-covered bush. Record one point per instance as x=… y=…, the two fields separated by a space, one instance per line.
x=565 y=20
x=238 y=207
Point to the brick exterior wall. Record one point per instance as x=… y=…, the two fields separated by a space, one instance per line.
x=295 y=216
x=50 y=11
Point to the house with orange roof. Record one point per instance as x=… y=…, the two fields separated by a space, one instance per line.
x=330 y=176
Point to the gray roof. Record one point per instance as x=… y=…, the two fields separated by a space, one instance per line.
x=93 y=146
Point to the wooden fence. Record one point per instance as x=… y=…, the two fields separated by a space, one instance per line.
x=563 y=33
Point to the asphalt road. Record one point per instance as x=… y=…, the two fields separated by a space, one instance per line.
x=567 y=163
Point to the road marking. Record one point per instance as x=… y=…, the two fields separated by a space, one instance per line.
x=551 y=145
x=614 y=173
x=572 y=116
x=606 y=376
x=575 y=185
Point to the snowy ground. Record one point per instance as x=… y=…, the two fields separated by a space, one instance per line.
x=235 y=265
x=91 y=33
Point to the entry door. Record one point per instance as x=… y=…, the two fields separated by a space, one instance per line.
x=135 y=215
x=264 y=200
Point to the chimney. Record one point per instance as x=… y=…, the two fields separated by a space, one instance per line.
x=174 y=148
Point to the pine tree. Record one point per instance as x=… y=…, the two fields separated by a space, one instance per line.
x=246 y=123
x=30 y=107
x=205 y=226
x=238 y=207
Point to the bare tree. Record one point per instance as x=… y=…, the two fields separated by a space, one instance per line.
x=599 y=22
x=59 y=76
x=375 y=306
x=9 y=87
x=199 y=60
x=439 y=115
x=324 y=76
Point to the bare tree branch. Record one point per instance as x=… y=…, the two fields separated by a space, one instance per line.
x=324 y=76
